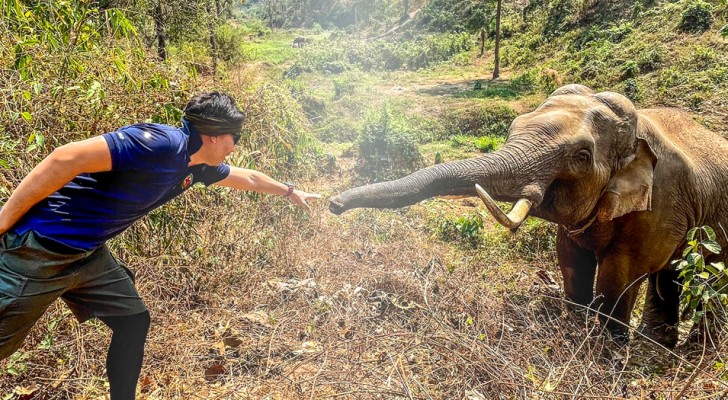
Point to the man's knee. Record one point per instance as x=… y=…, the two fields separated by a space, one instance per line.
x=136 y=325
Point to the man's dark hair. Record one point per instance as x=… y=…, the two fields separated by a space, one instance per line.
x=214 y=114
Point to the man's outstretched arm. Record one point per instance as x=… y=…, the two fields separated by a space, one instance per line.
x=59 y=168
x=248 y=179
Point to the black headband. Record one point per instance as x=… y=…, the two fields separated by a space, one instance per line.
x=213 y=126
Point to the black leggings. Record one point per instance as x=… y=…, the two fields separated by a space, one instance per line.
x=126 y=352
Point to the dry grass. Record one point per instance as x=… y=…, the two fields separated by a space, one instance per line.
x=265 y=302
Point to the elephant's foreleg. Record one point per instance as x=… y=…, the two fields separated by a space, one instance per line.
x=617 y=287
x=578 y=266
x=661 y=315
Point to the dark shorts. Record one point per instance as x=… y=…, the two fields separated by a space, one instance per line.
x=34 y=272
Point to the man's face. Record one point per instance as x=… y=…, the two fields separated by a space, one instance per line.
x=218 y=148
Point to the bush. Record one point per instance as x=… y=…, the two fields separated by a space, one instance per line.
x=492 y=119
x=650 y=59
x=229 y=46
x=343 y=85
x=630 y=69
x=631 y=89
x=465 y=229
x=697 y=17
x=337 y=129
x=592 y=69
x=387 y=147
x=705 y=284
x=487 y=144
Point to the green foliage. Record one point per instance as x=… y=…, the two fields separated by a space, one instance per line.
x=337 y=129
x=697 y=17
x=483 y=144
x=387 y=147
x=630 y=69
x=487 y=144
x=229 y=46
x=457 y=16
x=704 y=284
x=336 y=56
x=650 y=59
x=466 y=229
x=343 y=85
x=632 y=89
x=491 y=119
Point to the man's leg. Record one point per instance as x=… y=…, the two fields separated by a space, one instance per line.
x=105 y=289
x=126 y=352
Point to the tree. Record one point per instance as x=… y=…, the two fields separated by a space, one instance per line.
x=496 y=68
x=159 y=31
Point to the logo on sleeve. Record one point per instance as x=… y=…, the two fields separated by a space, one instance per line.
x=187 y=182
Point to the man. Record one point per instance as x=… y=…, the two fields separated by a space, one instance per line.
x=54 y=226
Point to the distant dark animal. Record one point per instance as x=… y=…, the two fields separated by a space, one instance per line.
x=299 y=41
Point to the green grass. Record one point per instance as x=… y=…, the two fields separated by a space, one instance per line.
x=505 y=89
x=275 y=49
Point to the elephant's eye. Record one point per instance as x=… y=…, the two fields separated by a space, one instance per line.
x=583 y=157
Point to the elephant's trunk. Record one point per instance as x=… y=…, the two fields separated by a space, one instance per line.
x=506 y=174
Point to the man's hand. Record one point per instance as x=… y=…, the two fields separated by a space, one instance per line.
x=299 y=198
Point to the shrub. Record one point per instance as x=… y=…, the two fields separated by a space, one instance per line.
x=592 y=69
x=229 y=45
x=492 y=119
x=489 y=143
x=337 y=129
x=697 y=17
x=630 y=69
x=465 y=229
x=620 y=32
x=387 y=147
x=650 y=59
x=705 y=284
x=631 y=89
x=343 y=85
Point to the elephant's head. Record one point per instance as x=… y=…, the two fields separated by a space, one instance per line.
x=577 y=157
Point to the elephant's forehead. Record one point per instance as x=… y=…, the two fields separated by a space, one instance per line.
x=575 y=104
x=561 y=114
x=552 y=122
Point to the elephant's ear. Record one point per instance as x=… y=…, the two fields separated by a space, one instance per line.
x=631 y=188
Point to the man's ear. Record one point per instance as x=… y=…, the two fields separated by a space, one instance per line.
x=631 y=188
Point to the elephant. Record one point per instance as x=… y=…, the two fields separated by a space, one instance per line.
x=623 y=185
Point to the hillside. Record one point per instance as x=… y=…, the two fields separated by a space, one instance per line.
x=252 y=299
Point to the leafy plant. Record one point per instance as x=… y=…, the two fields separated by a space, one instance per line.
x=630 y=69
x=705 y=284
x=465 y=228
x=387 y=147
x=697 y=17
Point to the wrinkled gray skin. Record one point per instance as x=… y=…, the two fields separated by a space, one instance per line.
x=623 y=185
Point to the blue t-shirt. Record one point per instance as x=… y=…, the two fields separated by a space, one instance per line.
x=149 y=167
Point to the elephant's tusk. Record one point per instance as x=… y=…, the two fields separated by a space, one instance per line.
x=514 y=218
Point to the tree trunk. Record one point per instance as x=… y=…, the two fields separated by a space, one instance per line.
x=496 y=69
x=405 y=6
x=158 y=17
x=270 y=14
x=213 y=42
x=482 y=42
